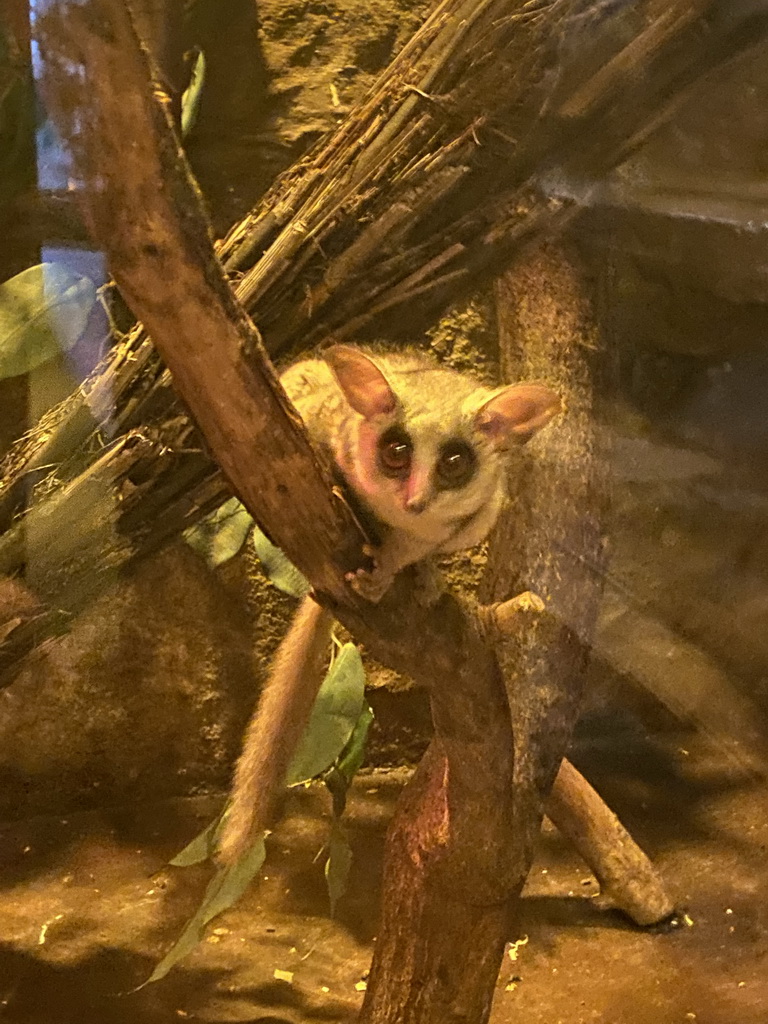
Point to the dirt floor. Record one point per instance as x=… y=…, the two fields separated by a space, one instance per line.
x=89 y=907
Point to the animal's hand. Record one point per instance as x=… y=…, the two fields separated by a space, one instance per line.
x=373 y=583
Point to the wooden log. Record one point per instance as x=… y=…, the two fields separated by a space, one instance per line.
x=628 y=879
x=427 y=965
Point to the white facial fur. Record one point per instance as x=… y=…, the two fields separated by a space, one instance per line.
x=429 y=418
x=347 y=409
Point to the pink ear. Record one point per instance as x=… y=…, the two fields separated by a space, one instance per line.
x=517 y=412
x=364 y=385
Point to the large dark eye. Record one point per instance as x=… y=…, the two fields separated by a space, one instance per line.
x=395 y=452
x=455 y=464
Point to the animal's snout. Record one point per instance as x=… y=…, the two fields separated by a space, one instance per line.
x=416 y=505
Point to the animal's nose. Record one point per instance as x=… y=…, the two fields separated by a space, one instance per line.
x=416 y=505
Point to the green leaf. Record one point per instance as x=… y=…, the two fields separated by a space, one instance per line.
x=352 y=755
x=336 y=733
x=333 y=734
x=338 y=781
x=339 y=778
x=338 y=864
x=277 y=568
x=201 y=848
x=334 y=716
x=225 y=888
x=43 y=311
x=190 y=98
x=323 y=735
x=221 y=535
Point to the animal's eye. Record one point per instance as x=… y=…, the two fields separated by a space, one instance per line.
x=455 y=464
x=395 y=453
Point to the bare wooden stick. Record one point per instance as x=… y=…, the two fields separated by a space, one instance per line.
x=510 y=618
x=627 y=877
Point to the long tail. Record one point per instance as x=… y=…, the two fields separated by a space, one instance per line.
x=275 y=730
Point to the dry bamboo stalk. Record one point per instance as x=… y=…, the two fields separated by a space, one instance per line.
x=467 y=69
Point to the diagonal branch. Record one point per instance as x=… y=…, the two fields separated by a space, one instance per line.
x=163 y=262
x=221 y=370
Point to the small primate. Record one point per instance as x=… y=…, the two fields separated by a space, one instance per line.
x=423 y=449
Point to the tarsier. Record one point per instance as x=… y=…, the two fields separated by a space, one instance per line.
x=423 y=449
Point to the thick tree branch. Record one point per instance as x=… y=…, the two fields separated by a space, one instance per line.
x=552 y=539
x=206 y=340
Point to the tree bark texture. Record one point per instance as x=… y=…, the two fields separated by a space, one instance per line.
x=627 y=878
x=551 y=539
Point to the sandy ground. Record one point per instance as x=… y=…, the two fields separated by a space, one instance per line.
x=89 y=906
